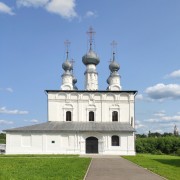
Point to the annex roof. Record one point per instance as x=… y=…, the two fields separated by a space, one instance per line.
x=54 y=126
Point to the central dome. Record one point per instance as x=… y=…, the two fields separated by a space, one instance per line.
x=67 y=65
x=90 y=58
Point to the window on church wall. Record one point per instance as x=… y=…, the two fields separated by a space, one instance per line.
x=68 y=116
x=91 y=116
x=114 y=116
x=115 y=140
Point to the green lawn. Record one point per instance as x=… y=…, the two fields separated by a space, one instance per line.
x=164 y=165
x=43 y=167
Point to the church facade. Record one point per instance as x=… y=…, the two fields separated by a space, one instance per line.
x=82 y=121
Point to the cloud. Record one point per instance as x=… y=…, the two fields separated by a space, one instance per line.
x=171 y=118
x=64 y=8
x=162 y=91
x=3 y=110
x=90 y=14
x=7 y=89
x=5 y=122
x=6 y=9
x=139 y=97
x=138 y=124
x=160 y=113
x=152 y=120
x=32 y=3
x=174 y=74
x=34 y=121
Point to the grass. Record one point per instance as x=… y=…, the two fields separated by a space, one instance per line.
x=164 y=165
x=41 y=167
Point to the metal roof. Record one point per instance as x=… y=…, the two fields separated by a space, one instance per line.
x=98 y=91
x=54 y=126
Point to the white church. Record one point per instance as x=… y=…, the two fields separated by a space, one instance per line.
x=82 y=121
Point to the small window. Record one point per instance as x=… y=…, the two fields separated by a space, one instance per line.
x=114 y=116
x=91 y=116
x=52 y=142
x=68 y=116
x=115 y=140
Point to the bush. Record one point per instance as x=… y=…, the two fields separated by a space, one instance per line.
x=160 y=145
x=178 y=152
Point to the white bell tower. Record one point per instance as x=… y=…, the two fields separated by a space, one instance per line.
x=114 y=78
x=91 y=60
x=67 y=77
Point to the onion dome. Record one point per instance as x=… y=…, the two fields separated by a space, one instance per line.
x=114 y=66
x=74 y=80
x=108 y=80
x=67 y=65
x=90 y=58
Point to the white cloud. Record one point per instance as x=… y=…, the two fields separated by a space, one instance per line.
x=171 y=118
x=5 y=122
x=90 y=14
x=174 y=74
x=32 y=3
x=3 y=110
x=6 y=9
x=139 y=97
x=64 y=8
x=162 y=91
x=7 y=89
x=138 y=124
x=160 y=113
x=34 y=121
x=152 y=120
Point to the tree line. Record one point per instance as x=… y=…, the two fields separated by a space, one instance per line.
x=156 y=143
x=2 y=138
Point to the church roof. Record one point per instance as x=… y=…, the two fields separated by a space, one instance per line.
x=54 y=126
x=95 y=91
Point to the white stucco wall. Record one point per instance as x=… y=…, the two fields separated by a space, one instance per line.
x=67 y=143
x=102 y=104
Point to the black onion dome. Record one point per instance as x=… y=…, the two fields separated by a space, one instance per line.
x=74 y=80
x=108 y=80
x=90 y=58
x=114 y=66
x=67 y=65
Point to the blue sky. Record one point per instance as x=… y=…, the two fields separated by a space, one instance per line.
x=32 y=35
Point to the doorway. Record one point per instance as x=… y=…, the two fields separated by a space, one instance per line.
x=91 y=145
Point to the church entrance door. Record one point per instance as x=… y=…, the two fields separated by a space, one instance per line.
x=91 y=145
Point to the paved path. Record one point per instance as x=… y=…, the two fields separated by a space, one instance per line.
x=113 y=168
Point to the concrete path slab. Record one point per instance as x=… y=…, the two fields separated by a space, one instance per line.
x=118 y=169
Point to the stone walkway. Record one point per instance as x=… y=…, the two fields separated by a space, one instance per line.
x=117 y=168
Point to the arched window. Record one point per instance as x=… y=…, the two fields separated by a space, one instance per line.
x=115 y=140
x=68 y=116
x=114 y=116
x=91 y=116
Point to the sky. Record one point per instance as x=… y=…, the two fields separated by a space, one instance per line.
x=32 y=50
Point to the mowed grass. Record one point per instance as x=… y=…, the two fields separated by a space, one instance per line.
x=42 y=168
x=164 y=165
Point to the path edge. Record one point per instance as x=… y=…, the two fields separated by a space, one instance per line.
x=88 y=169
x=144 y=168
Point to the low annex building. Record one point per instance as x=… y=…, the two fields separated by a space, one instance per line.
x=82 y=121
